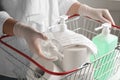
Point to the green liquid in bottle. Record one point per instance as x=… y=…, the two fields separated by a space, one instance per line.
x=104 y=44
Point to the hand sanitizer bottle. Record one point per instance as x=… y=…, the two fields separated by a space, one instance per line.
x=105 y=42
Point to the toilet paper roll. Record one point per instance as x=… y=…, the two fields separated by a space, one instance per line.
x=74 y=57
x=39 y=74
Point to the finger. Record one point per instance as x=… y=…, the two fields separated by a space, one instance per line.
x=107 y=15
x=53 y=58
x=42 y=36
x=38 y=50
x=104 y=20
x=49 y=58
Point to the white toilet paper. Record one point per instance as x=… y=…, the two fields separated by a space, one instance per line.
x=74 y=57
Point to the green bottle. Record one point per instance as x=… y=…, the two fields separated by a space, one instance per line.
x=105 y=42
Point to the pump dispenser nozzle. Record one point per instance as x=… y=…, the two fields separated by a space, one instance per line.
x=106 y=28
x=62 y=23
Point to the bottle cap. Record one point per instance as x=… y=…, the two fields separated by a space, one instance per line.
x=105 y=28
x=62 y=23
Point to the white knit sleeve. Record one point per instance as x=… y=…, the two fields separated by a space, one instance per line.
x=3 y=17
x=64 y=5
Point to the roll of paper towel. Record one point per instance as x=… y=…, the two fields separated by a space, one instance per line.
x=74 y=57
x=37 y=72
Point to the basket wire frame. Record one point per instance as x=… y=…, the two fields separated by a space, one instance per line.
x=89 y=71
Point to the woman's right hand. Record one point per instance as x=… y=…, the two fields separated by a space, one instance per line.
x=33 y=39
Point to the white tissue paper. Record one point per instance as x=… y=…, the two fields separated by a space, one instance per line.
x=70 y=38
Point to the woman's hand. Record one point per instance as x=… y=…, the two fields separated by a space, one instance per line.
x=33 y=39
x=102 y=15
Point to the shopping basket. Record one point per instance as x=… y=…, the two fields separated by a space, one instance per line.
x=16 y=54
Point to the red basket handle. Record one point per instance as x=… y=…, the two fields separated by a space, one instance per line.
x=72 y=16
x=114 y=26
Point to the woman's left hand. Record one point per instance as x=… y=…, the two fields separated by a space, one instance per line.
x=102 y=15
